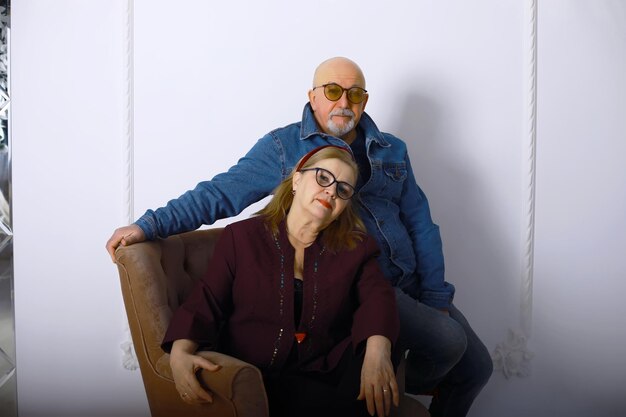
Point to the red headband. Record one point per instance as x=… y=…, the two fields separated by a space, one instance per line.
x=316 y=150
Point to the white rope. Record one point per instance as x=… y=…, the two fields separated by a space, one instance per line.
x=129 y=359
x=512 y=356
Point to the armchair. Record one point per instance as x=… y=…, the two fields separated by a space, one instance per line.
x=155 y=279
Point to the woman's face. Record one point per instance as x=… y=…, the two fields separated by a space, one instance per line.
x=322 y=203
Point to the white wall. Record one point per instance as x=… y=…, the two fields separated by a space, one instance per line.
x=68 y=113
x=451 y=78
x=581 y=207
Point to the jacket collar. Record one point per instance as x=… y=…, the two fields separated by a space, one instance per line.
x=309 y=127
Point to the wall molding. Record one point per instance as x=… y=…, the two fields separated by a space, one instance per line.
x=129 y=359
x=512 y=357
x=129 y=115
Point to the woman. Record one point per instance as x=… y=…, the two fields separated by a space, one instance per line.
x=297 y=292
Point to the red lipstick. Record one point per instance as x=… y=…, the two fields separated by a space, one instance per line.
x=325 y=203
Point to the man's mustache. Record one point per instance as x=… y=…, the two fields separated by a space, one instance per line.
x=342 y=112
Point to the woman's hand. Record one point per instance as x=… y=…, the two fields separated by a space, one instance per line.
x=185 y=364
x=378 y=380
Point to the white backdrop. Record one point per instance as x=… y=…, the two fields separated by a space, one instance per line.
x=449 y=77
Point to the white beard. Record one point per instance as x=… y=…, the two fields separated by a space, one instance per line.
x=340 y=131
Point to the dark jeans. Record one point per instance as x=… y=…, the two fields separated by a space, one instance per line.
x=445 y=356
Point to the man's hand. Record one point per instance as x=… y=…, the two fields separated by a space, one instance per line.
x=124 y=236
x=379 y=388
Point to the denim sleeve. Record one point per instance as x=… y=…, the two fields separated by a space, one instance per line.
x=415 y=214
x=253 y=177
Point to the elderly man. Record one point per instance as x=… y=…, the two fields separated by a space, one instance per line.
x=445 y=355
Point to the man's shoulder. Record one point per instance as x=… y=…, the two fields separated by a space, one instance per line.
x=390 y=143
x=393 y=139
x=277 y=142
x=290 y=129
x=385 y=139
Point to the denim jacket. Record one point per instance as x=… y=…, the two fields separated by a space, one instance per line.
x=392 y=206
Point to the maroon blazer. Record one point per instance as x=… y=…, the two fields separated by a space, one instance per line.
x=245 y=304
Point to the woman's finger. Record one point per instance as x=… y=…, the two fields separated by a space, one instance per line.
x=379 y=399
x=370 y=400
x=387 y=395
x=395 y=391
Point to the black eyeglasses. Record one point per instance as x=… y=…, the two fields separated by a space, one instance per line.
x=334 y=91
x=325 y=178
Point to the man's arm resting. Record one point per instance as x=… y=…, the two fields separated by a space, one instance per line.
x=124 y=236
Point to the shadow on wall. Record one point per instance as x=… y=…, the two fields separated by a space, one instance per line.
x=477 y=253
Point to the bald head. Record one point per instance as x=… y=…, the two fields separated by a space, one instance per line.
x=339 y=116
x=338 y=68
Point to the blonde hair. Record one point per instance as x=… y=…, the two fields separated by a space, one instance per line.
x=346 y=230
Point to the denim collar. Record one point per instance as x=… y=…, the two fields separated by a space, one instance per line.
x=309 y=127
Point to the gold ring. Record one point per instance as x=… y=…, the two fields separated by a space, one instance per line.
x=185 y=395
x=385 y=390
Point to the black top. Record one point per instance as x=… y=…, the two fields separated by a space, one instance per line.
x=297 y=300
x=360 y=156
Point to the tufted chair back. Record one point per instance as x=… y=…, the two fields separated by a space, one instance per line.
x=155 y=278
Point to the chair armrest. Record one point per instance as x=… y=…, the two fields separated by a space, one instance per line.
x=237 y=382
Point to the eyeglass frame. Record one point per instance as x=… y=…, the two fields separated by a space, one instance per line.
x=343 y=90
x=335 y=181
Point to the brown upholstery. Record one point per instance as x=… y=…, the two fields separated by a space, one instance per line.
x=155 y=278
